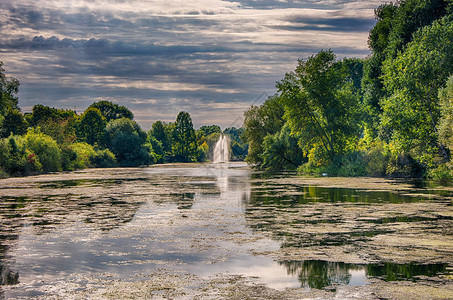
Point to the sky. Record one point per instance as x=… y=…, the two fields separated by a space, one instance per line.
x=211 y=58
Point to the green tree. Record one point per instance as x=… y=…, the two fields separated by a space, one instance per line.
x=260 y=121
x=411 y=112
x=112 y=111
x=13 y=123
x=281 y=151
x=45 y=148
x=184 y=142
x=446 y=122
x=160 y=132
x=209 y=129
x=321 y=105
x=9 y=87
x=42 y=114
x=91 y=126
x=127 y=141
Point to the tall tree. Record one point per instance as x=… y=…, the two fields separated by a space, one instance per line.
x=184 y=140
x=260 y=121
x=412 y=80
x=91 y=126
x=322 y=105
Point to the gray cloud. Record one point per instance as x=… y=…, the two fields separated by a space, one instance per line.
x=211 y=58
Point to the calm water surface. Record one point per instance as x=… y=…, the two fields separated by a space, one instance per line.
x=203 y=219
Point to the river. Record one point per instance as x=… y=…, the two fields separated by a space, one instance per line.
x=222 y=231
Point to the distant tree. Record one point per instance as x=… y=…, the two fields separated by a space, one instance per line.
x=42 y=114
x=9 y=87
x=209 y=129
x=91 y=126
x=13 y=123
x=112 y=111
x=160 y=133
x=184 y=141
x=127 y=141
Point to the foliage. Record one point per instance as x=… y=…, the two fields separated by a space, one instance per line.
x=322 y=105
x=103 y=159
x=9 y=87
x=44 y=148
x=207 y=130
x=445 y=126
x=91 y=126
x=112 y=111
x=162 y=132
x=412 y=80
x=42 y=114
x=281 y=151
x=127 y=140
x=260 y=121
x=184 y=143
x=15 y=159
x=157 y=150
x=13 y=123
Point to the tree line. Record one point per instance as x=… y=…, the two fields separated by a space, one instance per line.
x=389 y=114
x=105 y=135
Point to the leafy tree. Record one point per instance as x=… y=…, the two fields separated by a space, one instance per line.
x=42 y=114
x=281 y=151
x=112 y=111
x=13 y=123
x=260 y=121
x=395 y=26
x=9 y=87
x=184 y=142
x=160 y=132
x=446 y=122
x=412 y=80
x=45 y=148
x=207 y=130
x=321 y=105
x=91 y=126
x=127 y=141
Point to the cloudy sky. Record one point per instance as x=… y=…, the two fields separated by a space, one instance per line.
x=212 y=58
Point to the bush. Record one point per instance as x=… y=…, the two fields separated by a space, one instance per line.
x=15 y=159
x=441 y=174
x=45 y=148
x=104 y=159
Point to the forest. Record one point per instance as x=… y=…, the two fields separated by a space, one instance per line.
x=389 y=114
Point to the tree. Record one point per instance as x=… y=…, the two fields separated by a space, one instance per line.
x=127 y=141
x=184 y=142
x=91 y=126
x=160 y=133
x=209 y=129
x=260 y=121
x=9 y=87
x=13 y=123
x=321 y=105
x=281 y=151
x=112 y=111
x=394 y=29
x=412 y=80
x=446 y=122
x=42 y=114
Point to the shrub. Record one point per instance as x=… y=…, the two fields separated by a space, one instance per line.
x=45 y=148
x=441 y=174
x=104 y=159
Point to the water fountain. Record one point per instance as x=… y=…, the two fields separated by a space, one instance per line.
x=222 y=150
